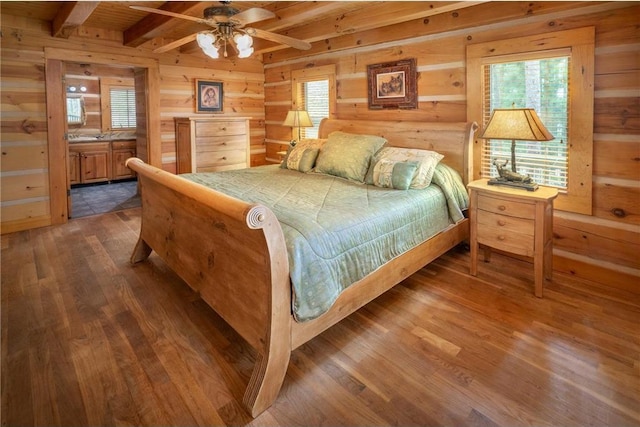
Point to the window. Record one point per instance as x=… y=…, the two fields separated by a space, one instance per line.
x=117 y=104
x=123 y=108
x=314 y=90
x=552 y=73
x=315 y=99
x=541 y=84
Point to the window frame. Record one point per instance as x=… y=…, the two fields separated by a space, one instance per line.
x=299 y=77
x=106 y=84
x=581 y=43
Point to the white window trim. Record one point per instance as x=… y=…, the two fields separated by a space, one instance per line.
x=581 y=42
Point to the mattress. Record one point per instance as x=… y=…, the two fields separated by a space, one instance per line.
x=337 y=231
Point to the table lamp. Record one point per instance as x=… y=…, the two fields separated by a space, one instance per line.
x=514 y=124
x=297 y=119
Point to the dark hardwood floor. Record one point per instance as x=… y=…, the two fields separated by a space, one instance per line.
x=88 y=339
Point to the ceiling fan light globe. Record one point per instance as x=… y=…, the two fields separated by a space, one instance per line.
x=205 y=40
x=243 y=41
x=245 y=53
x=212 y=52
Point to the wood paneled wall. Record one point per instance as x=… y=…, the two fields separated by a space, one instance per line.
x=606 y=242
x=25 y=195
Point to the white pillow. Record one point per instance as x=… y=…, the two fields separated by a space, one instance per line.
x=427 y=162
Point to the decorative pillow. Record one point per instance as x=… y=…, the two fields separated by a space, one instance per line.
x=298 y=151
x=348 y=155
x=302 y=159
x=392 y=174
x=427 y=162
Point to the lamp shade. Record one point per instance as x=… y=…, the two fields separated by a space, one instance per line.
x=298 y=118
x=516 y=124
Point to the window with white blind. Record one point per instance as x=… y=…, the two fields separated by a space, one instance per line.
x=314 y=97
x=556 y=78
x=123 y=108
x=313 y=90
x=541 y=84
x=117 y=103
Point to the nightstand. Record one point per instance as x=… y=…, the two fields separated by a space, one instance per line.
x=282 y=154
x=514 y=221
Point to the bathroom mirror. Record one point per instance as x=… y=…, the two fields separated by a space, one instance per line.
x=76 y=113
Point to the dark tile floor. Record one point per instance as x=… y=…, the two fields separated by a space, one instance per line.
x=104 y=197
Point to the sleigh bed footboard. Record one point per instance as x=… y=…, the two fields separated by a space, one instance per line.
x=234 y=255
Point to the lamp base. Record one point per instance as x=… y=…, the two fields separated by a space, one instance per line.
x=529 y=186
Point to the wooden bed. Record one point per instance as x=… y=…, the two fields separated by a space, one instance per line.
x=234 y=254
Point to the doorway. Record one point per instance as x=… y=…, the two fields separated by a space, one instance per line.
x=101 y=135
x=148 y=129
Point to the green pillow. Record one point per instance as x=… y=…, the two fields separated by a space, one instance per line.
x=391 y=174
x=427 y=162
x=302 y=159
x=298 y=150
x=348 y=155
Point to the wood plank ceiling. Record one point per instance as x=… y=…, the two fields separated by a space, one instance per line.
x=314 y=22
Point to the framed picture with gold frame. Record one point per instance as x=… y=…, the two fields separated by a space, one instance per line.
x=209 y=96
x=392 y=85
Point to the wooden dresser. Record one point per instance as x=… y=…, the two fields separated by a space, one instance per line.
x=515 y=221
x=208 y=144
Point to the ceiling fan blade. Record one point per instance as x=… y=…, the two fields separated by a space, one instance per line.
x=174 y=44
x=167 y=13
x=254 y=14
x=279 y=38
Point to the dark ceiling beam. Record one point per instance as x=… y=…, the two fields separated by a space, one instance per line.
x=70 y=16
x=154 y=25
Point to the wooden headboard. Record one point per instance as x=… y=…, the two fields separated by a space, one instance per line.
x=453 y=140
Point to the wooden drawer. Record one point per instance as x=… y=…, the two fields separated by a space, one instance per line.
x=220 y=143
x=219 y=160
x=509 y=224
x=122 y=145
x=512 y=234
x=506 y=206
x=205 y=129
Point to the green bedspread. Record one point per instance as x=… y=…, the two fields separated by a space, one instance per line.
x=338 y=231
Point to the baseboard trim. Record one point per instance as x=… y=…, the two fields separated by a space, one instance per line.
x=607 y=273
x=24 y=224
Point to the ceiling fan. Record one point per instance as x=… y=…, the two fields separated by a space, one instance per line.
x=228 y=28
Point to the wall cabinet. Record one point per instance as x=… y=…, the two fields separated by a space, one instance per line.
x=91 y=162
x=207 y=144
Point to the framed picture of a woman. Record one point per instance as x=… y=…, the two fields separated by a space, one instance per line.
x=208 y=96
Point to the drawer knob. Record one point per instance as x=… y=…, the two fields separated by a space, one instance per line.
x=502 y=222
x=501 y=238
x=224 y=158
x=502 y=207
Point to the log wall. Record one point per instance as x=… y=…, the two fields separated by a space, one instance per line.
x=589 y=246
